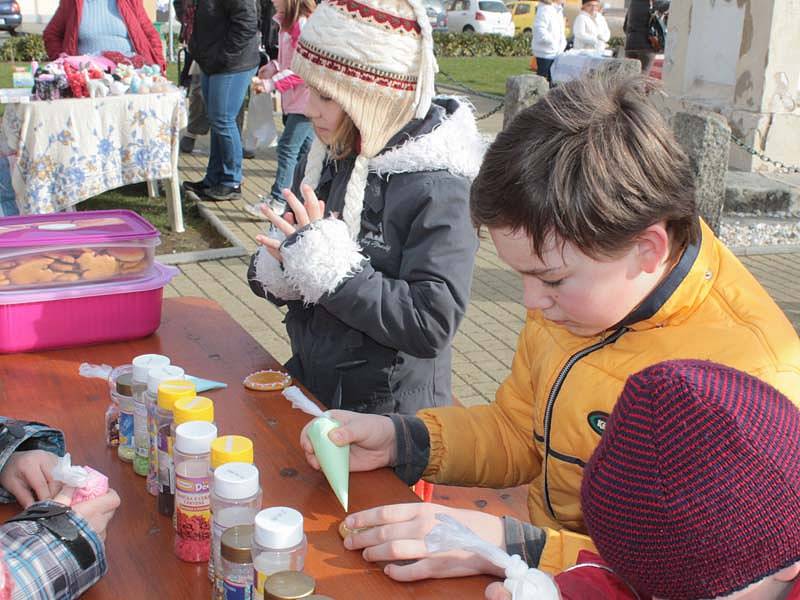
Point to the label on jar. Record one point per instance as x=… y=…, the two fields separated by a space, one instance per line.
x=125 y=429
x=260 y=579
x=237 y=591
x=166 y=469
x=192 y=518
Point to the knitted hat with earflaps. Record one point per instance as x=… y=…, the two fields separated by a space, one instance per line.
x=375 y=59
x=694 y=490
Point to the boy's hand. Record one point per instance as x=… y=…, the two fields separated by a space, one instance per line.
x=97 y=511
x=371 y=439
x=28 y=476
x=397 y=533
x=496 y=591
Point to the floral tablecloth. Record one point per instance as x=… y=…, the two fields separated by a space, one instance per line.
x=65 y=151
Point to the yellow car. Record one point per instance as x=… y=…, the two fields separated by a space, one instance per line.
x=523 y=14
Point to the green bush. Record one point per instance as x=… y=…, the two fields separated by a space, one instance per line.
x=617 y=41
x=23 y=48
x=475 y=44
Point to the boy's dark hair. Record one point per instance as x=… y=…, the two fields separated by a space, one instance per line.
x=592 y=162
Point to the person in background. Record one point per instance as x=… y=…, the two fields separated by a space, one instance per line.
x=197 y=124
x=637 y=26
x=225 y=43
x=95 y=26
x=549 y=35
x=291 y=16
x=590 y=29
x=49 y=550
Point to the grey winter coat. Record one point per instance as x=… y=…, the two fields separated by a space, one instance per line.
x=380 y=341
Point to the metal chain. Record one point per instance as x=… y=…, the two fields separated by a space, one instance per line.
x=472 y=92
x=782 y=167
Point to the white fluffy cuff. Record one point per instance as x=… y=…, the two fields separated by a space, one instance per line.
x=321 y=258
x=271 y=276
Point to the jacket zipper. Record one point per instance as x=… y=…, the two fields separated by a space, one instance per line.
x=551 y=400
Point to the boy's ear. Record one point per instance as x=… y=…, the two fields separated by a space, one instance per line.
x=789 y=573
x=653 y=246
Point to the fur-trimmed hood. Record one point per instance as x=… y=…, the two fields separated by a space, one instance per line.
x=447 y=139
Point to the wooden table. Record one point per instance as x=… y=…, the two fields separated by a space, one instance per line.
x=199 y=335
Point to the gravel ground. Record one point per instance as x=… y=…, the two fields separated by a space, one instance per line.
x=749 y=230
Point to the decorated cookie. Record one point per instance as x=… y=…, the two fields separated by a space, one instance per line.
x=267 y=381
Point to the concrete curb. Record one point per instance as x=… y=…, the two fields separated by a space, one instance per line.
x=761 y=250
x=205 y=255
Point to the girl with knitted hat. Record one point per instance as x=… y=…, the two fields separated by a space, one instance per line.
x=377 y=278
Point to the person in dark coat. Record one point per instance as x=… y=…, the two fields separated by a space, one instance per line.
x=225 y=44
x=637 y=26
x=377 y=284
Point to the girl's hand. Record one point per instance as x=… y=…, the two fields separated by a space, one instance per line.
x=397 y=532
x=304 y=214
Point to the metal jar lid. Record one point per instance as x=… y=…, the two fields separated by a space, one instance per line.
x=124 y=384
x=289 y=585
x=236 y=544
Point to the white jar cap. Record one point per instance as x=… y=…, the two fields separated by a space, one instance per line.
x=236 y=480
x=157 y=375
x=195 y=437
x=279 y=527
x=144 y=362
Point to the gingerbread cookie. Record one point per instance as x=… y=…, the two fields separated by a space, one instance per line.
x=97 y=266
x=32 y=271
x=127 y=255
x=267 y=381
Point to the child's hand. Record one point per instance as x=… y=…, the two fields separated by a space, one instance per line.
x=397 y=532
x=371 y=439
x=496 y=591
x=312 y=210
x=97 y=511
x=28 y=476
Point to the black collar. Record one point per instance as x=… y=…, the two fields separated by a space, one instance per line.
x=664 y=290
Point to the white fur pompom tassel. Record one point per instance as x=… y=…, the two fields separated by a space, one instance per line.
x=354 y=195
x=270 y=274
x=314 y=162
x=321 y=258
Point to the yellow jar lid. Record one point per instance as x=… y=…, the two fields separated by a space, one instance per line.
x=231 y=448
x=198 y=408
x=171 y=390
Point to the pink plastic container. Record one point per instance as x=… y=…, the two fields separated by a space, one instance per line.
x=61 y=317
x=69 y=249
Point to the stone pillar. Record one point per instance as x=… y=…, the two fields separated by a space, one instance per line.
x=522 y=91
x=740 y=58
x=766 y=101
x=706 y=138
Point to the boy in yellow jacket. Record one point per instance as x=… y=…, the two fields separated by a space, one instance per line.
x=589 y=197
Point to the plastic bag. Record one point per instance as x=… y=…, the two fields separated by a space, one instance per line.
x=87 y=482
x=260 y=127
x=300 y=401
x=524 y=583
x=90 y=370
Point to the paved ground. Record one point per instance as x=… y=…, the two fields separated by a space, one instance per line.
x=485 y=343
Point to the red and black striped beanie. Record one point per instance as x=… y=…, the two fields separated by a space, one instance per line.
x=694 y=490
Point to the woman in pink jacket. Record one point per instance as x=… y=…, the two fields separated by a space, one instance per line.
x=277 y=75
x=95 y=26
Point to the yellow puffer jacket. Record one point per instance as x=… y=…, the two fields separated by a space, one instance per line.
x=550 y=412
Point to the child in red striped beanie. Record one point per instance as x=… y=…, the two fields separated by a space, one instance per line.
x=694 y=490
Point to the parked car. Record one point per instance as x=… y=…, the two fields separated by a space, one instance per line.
x=437 y=14
x=10 y=17
x=479 y=16
x=523 y=13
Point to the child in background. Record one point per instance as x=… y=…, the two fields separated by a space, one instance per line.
x=291 y=16
x=377 y=280
x=588 y=196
